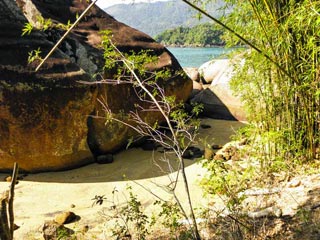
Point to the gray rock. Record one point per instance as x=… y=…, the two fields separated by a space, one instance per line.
x=104 y=159
x=213 y=107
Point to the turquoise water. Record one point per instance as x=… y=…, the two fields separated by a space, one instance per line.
x=195 y=57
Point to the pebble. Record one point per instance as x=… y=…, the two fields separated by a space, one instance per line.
x=104 y=159
x=216 y=146
x=8 y=179
x=208 y=153
x=65 y=218
x=294 y=183
x=218 y=157
x=205 y=126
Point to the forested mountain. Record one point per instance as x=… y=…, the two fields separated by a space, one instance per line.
x=205 y=34
x=154 y=18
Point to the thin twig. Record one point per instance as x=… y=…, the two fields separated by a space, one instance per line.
x=240 y=37
x=65 y=35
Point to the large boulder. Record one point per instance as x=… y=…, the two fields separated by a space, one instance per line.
x=220 y=86
x=121 y=99
x=42 y=114
x=212 y=69
x=218 y=99
x=48 y=120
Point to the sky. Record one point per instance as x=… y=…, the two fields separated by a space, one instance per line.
x=108 y=3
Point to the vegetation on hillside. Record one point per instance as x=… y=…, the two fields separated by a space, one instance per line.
x=154 y=18
x=205 y=34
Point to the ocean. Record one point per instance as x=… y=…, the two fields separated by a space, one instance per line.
x=195 y=57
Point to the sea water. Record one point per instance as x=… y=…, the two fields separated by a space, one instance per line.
x=195 y=57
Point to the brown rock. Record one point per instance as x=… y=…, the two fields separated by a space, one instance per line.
x=122 y=98
x=43 y=116
x=208 y=153
x=219 y=157
x=192 y=73
x=52 y=231
x=216 y=146
x=236 y=156
x=213 y=107
x=8 y=179
x=197 y=86
x=65 y=218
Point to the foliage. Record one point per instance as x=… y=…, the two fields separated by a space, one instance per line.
x=278 y=80
x=283 y=95
x=34 y=55
x=228 y=181
x=129 y=221
x=201 y=35
x=27 y=29
x=170 y=214
x=180 y=131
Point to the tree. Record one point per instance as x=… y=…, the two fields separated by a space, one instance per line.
x=281 y=94
x=181 y=128
x=129 y=69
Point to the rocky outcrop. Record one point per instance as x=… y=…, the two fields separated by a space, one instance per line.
x=42 y=115
x=44 y=122
x=218 y=99
x=193 y=73
x=220 y=86
x=122 y=98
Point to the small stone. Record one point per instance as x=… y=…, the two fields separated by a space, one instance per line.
x=218 y=157
x=208 y=153
x=231 y=150
x=51 y=230
x=104 y=159
x=8 y=179
x=243 y=141
x=235 y=157
x=149 y=146
x=205 y=126
x=294 y=183
x=85 y=229
x=15 y=226
x=65 y=218
x=227 y=156
x=187 y=154
x=72 y=206
x=216 y=146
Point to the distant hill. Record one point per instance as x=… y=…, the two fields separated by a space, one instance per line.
x=202 y=35
x=154 y=18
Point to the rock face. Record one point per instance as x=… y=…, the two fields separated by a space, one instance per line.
x=42 y=115
x=220 y=86
x=44 y=123
x=218 y=99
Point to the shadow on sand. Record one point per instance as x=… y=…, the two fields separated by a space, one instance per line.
x=135 y=164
